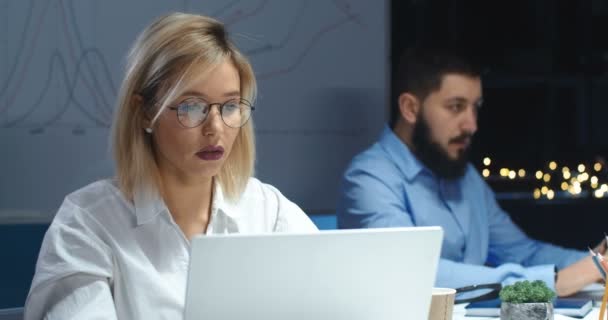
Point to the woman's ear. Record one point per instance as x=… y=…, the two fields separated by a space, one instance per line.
x=138 y=102
x=409 y=107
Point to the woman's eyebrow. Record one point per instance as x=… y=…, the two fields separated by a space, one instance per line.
x=200 y=94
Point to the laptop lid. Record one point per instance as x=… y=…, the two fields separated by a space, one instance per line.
x=340 y=275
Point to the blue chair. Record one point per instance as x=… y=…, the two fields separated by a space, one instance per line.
x=325 y=221
x=19 y=255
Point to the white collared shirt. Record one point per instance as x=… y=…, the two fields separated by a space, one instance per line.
x=104 y=257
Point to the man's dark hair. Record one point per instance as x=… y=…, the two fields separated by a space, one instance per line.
x=421 y=69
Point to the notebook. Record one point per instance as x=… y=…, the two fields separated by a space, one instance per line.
x=339 y=275
x=571 y=307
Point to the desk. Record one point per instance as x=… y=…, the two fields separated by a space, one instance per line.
x=592 y=292
x=459 y=315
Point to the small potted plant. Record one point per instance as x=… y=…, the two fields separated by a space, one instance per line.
x=525 y=300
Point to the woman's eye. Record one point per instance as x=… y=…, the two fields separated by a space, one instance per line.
x=231 y=107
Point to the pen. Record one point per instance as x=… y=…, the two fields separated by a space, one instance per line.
x=598 y=264
x=603 y=261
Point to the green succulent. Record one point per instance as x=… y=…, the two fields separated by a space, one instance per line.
x=526 y=292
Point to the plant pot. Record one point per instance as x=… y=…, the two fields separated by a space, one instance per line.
x=526 y=311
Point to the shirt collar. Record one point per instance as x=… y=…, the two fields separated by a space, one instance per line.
x=400 y=154
x=149 y=204
x=222 y=205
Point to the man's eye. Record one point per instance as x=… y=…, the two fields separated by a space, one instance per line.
x=456 y=107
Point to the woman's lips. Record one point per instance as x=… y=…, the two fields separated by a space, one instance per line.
x=211 y=153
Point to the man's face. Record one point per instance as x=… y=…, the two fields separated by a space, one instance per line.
x=446 y=124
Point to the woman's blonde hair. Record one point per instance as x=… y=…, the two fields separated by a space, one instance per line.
x=166 y=57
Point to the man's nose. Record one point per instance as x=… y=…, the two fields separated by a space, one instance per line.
x=469 y=122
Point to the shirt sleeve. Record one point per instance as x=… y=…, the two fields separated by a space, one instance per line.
x=453 y=274
x=74 y=270
x=509 y=244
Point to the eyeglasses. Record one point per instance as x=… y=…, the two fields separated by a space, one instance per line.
x=192 y=112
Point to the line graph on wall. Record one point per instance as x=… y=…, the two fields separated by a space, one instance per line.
x=321 y=69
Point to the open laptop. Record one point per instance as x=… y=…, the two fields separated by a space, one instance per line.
x=379 y=274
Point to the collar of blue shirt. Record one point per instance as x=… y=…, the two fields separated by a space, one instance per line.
x=400 y=153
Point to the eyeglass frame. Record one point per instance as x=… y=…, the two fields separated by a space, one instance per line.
x=220 y=109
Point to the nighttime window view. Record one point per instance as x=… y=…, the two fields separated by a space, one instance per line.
x=542 y=139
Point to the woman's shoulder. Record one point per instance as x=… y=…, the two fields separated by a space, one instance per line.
x=286 y=215
x=96 y=200
x=258 y=194
x=95 y=192
x=258 y=189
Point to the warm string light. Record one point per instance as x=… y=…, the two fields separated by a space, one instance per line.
x=601 y=192
x=572 y=183
x=544 y=190
x=597 y=167
x=552 y=165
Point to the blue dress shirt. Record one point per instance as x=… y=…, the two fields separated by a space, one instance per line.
x=387 y=186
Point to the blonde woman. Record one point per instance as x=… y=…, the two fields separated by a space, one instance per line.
x=184 y=150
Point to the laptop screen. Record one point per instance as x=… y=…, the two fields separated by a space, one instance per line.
x=340 y=274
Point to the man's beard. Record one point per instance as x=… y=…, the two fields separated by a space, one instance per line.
x=434 y=157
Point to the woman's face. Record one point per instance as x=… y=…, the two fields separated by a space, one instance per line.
x=199 y=152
